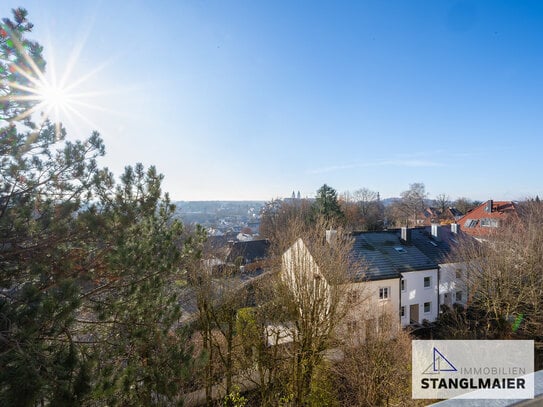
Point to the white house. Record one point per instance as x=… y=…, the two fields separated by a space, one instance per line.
x=437 y=243
x=407 y=274
x=416 y=274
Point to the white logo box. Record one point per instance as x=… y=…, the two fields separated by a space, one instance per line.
x=473 y=369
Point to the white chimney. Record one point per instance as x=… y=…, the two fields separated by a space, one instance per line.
x=435 y=231
x=454 y=228
x=406 y=234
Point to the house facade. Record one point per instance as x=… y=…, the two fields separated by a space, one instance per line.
x=415 y=275
x=406 y=274
x=437 y=243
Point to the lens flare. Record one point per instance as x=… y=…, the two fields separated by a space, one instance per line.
x=55 y=100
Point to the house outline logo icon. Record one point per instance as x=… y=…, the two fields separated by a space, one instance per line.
x=440 y=363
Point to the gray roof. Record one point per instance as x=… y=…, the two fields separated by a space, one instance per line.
x=386 y=256
x=250 y=251
x=439 y=249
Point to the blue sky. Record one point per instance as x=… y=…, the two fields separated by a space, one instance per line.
x=254 y=99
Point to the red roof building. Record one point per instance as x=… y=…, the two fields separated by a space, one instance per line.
x=486 y=219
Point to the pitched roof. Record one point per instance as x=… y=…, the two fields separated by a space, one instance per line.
x=250 y=251
x=386 y=256
x=485 y=218
x=438 y=248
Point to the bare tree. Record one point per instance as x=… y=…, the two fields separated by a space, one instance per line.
x=407 y=210
x=363 y=209
x=504 y=277
x=375 y=372
x=218 y=299
x=313 y=274
x=442 y=203
x=465 y=205
x=276 y=216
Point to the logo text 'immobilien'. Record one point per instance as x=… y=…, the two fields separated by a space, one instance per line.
x=473 y=369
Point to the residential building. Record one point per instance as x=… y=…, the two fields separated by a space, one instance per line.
x=432 y=215
x=437 y=243
x=484 y=220
x=416 y=274
x=404 y=273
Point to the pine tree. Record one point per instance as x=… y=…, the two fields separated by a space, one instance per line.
x=88 y=305
x=327 y=205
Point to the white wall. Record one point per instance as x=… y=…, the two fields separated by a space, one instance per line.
x=416 y=294
x=364 y=303
x=450 y=285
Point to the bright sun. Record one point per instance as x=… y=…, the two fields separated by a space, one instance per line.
x=53 y=97
x=54 y=100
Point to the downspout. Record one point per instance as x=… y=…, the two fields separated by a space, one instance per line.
x=400 y=299
x=438 y=305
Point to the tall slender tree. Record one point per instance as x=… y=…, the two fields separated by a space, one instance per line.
x=327 y=205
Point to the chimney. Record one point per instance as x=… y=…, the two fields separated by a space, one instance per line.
x=488 y=206
x=331 y=236
x=435 y=231
x=454 y=228
x=405 y=235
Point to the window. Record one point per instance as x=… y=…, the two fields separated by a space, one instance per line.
x=384 y=292
x=470 y=223
x=402 y=284
x=400 y=249
x=488 y=222
x=402 y=311
x=427 y=307
x=459 y=296
x=427 y=282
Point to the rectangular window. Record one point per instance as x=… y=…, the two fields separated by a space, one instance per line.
x=384 y=293
x=427 y=282
x=488 y=222
x=427 y=307
x=470 y=223
x=459 y=296
x=402 y=284
x=402 y=311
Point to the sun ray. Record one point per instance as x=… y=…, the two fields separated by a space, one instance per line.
x=28 y=112
x=76 y=51
x=58 y=96
x=82 y=117
x=89 y=75
x=25 y=55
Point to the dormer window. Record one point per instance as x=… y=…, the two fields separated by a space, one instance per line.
x=400 y=249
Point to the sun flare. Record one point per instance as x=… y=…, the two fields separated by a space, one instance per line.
x=54 y=100
x=53 y=97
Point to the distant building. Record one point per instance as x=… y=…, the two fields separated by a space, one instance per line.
x=248 y=252
x=486 y=219
x=432 y=215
